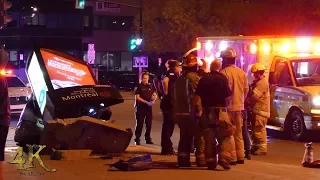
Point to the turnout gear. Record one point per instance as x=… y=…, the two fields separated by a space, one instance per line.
x=190 y=61
x=257 y=67
x=238 y=83
x=184 y=114
x=260 y=104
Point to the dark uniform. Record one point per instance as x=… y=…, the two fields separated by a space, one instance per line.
x=4 y=115
x=143 y=112
x=201 y=72
x=167 y=112
x=213 y=90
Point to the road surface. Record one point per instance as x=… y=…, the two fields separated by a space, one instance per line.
x=283 y=160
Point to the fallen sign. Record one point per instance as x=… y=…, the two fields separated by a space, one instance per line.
x=26 y=163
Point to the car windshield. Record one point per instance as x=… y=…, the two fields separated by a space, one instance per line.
x=14 y=82
x=307 y=72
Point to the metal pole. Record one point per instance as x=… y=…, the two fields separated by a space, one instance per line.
x=140 y=19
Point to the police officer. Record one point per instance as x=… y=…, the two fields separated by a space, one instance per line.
x=145 y=99
x=213 y=90
x=238 y=83
x=174 y=69
x=260 y=104
x=184 y=111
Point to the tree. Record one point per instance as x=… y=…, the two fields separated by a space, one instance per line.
x=176 y=25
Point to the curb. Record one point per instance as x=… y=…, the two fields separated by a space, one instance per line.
x=134 y=149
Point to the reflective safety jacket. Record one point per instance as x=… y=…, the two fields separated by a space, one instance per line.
x=239 y=86
x=260 y=100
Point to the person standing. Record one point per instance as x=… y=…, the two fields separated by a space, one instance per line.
x=145 y=98
x=260 y=105
x=238 y=83
x=213 y=89
x=5 y=114
x=184 y=110
x=174 y=70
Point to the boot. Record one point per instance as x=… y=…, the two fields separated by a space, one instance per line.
x=247 y=156
x=184 y=162
x=149 y=141
x=137 y=141
x=224 y=165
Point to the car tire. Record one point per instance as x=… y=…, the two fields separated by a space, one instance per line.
x=297 y=127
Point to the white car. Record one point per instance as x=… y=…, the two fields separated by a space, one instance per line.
x=18 y=93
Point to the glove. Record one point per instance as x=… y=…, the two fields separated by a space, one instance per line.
x=149 y=103
x=153 y=102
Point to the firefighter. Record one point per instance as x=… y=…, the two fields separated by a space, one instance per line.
x=238 y=83
x=145 y=99
x=184 y=110
x=174 y=69
x=260 y=104
x=213 y=89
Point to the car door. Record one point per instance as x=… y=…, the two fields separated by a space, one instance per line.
x=279 y=79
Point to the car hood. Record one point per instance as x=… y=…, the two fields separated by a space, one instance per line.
x=19 y=91
x=312 y=90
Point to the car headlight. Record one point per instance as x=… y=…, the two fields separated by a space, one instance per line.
x=316 y=100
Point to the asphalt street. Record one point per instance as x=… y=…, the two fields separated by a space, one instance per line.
x=283 y=160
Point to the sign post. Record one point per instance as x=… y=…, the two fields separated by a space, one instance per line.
x=140 y=62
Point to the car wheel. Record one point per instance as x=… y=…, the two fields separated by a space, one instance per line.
x=297 y=126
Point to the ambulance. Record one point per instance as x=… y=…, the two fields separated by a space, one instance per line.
x=18 y=92
x=293 y=72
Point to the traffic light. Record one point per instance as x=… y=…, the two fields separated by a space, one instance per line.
x=135 y=43
x=4 y=6
x=80 y=4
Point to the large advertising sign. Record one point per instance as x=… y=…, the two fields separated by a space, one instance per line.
x=37 y=82
x=65 y=73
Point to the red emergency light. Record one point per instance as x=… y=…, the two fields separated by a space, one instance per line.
x=5 y=72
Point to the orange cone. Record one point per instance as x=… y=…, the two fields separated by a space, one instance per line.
x=308 y=155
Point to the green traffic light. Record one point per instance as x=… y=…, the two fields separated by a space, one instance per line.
x=133 y=41
x=132 y=47
x=81 y=3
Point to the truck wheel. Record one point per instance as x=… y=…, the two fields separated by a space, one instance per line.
x=297 y=128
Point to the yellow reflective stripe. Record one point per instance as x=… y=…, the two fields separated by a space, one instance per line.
x=257 y=92
x=261 y=113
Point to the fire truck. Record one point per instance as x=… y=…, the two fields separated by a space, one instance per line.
x=293 y=71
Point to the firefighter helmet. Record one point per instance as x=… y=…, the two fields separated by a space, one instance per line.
x=190 y=61
x=258 y=67
x=228 y=53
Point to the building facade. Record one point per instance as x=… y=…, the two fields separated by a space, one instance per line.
x=59 y=26
x=112 y=27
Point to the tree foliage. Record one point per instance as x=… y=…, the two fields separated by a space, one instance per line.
x=173 y=25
